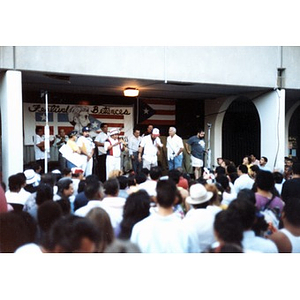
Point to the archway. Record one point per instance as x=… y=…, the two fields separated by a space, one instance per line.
x=240 y=131
x=294 y=134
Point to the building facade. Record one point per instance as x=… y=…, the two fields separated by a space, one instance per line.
x=246 y=98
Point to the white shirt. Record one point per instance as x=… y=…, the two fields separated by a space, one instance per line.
x=15 y=198
x=200 y=221
x=150 y=146
x=114 y=215
x=161 y=234
x=251 y=243
x=173 y=146
x=149 y=186
x=133 y=144
x=88 y=142
x=101 y=138
x=39 y=154
x=243 y=182
x=116 y=150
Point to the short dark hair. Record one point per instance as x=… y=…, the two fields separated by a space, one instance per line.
x=292 y=211
x=228 y=226
x=243 y=169
x=68 y=232
x=111 y=186
x=265 y=159
x=103 y=124
x=265 y=180
x=92 y=187
x=296 y=168
x=63 y=184
x=174 y=174
x=48 y=212
x=123 y=182
x=155 y=173
x=246 y=211
x=166 y=191
x=14 y=183
x=44 y=192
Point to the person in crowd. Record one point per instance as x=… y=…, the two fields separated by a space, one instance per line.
x=246 y=211
x=228 y=230
x=86 y=146
x=200 y=218
x=101 y=157
x=101 y=220
x=197 y=145
x=287 y=239
x=228 y=193
x=114 y=147
x=133 y=148
x=47 y=213
x=4 y=206
x=16 y=230
x=263 y=164
x=254 y=169
x=71 y=234
x=149 y=149
x=279 y=181
x=243 y=181
x=174 y=149
x=136 y=208
x=254 y=160
x=266 y=192
x=148 y=130
x=64 y=192
x=32 y=180
x=44 y=193
x=163 y=231
x=60 y=139
x=291 y=187
x=123 y=182
x=39 y=147
x=232 y=174
x=13 y=196
x=150 y=185
x=94 y=191
x=23 y=193
x=76 y=176
x=72 y=144
x=247 y=162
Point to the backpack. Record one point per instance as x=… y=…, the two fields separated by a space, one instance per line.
x=271 y=215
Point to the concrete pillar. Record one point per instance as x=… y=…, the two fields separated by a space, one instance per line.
x=11 y=123
x=271 y=109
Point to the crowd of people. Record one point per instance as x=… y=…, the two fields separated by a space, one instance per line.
x=232 y=208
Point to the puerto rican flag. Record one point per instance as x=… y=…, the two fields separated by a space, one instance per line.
x=157 y=111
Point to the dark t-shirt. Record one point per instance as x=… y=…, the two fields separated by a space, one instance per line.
x=197 y=146
x=290 y=188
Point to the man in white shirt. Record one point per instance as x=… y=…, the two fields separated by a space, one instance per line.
x=199 y=220
x=39 y=147
x=174 y=149
x=101 y=157
x=86 y=146
x=244 y=181
x=263 y=164
x=133 y=147
x=114 y=147
x=162 y=231
x=150 y=145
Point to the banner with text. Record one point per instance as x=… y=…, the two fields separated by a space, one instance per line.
x=74 y=117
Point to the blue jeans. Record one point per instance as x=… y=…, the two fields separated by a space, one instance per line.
x=175 y=163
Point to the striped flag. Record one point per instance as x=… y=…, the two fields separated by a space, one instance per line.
x=157 y=111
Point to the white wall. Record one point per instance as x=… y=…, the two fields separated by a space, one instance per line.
x=249 y=66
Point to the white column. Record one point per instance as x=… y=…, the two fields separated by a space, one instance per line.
x=271 y=109
x=11 y=123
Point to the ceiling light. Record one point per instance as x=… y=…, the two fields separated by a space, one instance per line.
x=131 y=92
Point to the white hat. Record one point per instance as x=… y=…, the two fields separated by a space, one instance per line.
x=155 y=131
x=198 y=194
x=31 y=176
x=114 y=131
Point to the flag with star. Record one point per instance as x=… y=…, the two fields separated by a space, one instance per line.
x=145 y=112
x=160 y=112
